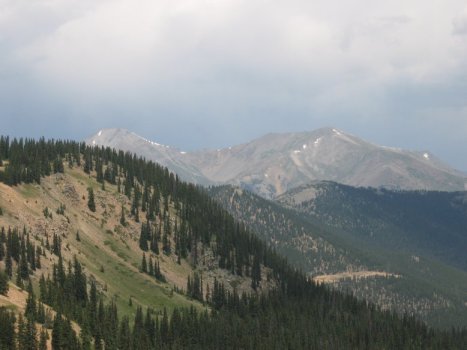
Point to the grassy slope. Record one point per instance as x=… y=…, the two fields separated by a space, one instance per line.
x=103 y=241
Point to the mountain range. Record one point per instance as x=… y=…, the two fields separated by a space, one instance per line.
x=91 y=236
x=276 y=163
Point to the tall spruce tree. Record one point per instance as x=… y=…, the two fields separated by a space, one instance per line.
x=3 y=283
x=91 y=202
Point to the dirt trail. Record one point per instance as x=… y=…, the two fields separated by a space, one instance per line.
x=352 y=275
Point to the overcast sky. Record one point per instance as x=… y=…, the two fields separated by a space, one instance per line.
x=213 y=73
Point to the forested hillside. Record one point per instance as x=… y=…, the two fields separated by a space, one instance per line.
x=331 y=232
x=115 y=252
x=423 y=222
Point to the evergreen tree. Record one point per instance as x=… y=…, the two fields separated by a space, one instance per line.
x=144 y=266
x=255 y=272
x=58 y=165
x=31 y=306
x=143 y=238
x=122 y=217
x=8 y=263
x=7 y=329
x=3 y=283
x=91 y=203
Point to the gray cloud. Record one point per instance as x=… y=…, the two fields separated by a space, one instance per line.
x=207 y=73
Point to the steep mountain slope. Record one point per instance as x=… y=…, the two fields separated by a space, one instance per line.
x=170 y=157
x=334 y=239
x=275 y=163
x=108 y=250
x=111 y=227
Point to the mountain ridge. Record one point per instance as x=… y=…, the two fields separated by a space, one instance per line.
x=277 y=162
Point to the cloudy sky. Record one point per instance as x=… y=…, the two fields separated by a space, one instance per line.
x=212 y=73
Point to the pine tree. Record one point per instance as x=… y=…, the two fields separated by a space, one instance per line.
x=8 y=263
x=57 y=336
x=7 y=329
x=91 y=203
x=122 y=217
x=255 y=272
x=58 y=165
x=144 y=266
x=3 y=283
x=124 y=334
x=143 y=238
x=31 y=306
x=38 y=257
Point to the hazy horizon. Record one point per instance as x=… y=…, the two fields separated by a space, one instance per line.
x=211 y=74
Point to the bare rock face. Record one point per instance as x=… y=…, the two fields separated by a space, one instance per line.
x=276 y=163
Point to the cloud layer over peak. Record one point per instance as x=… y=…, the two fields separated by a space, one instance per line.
x=394 y=72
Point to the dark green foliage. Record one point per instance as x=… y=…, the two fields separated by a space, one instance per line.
x=91 y=202
x=144 y=266
x=63 y=335
x=27 y=334
x=56 y=245
x=144 y=236
x=61 y=209
x=194 y=288
x=47 y=213
x=255 y=272
x=8 y=264
x=428 y=223
x=7 y=329
x=31 y=306
x=122 y=217
x=3 y=283
x=157 y=272
x=58 y=165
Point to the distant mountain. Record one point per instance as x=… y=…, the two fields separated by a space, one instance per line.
x=170 y=157
x=276 y=163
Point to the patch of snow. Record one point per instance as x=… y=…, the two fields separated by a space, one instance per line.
x=93 y=142
x=317 y=141
x=148 y=141
x=182 y=152
x=296 y=151
x=337 y=132
x=304 y=146
x=266 y=175
x=100 y=133
x=426 y=155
